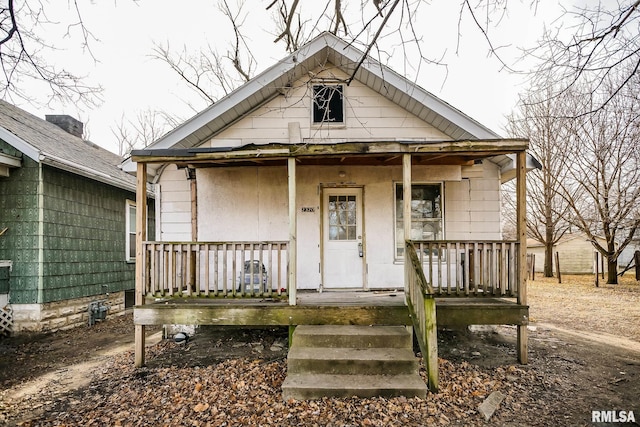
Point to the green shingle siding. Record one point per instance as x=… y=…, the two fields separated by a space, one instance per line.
x=19 y=213
x=84 y=243
x=4 y=280
x=83 y=234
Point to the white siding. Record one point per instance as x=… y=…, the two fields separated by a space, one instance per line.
x=484 y=202
x=368 y=116
x=175 y=205
x=250 y=203
x=242 y=204
x=457 y=210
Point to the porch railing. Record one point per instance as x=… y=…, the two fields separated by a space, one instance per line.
x=422 y=306
x=215 y=268
x=470 y=268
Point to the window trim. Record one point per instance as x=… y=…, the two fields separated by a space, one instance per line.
x=321 y=123
x=400 y=258
x=128 y=226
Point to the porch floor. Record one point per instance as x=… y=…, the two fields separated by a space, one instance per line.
x=328 y=307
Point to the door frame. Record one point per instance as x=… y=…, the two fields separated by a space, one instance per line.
x=323 y=189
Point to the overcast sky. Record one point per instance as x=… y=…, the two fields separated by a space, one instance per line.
x=473 y=81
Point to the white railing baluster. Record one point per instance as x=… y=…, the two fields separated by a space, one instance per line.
x=469 y=267
x=189 y=269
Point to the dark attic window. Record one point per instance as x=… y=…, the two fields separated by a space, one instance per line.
x=328 y=105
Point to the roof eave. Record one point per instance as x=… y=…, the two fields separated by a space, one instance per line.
x=508 y=169
x=77 y=169
x=486 y=148
x=20 y=144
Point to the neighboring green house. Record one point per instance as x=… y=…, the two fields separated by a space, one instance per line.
x=67 y=223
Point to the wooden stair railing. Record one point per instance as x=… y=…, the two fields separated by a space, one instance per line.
x=422 y=307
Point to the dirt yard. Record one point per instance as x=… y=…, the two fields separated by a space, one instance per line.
x=584 y=356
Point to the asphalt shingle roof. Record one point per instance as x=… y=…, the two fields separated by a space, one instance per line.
x=58 y=148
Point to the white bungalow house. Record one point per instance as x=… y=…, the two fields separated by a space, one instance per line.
x=303 y=175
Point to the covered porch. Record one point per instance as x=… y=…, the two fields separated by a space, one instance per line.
x=256 y=282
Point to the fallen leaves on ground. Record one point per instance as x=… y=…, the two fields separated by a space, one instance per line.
x=563 y=383
x=247 y=392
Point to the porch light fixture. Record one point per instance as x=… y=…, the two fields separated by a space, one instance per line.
x=190 y=173
x=342 y=174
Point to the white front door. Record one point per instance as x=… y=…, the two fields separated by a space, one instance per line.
x=342 y=231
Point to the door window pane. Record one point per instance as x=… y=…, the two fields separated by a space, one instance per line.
x=342 y=212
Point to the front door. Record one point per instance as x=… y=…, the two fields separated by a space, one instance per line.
x=343 y=250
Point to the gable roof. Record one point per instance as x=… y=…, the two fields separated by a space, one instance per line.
x=46 y=143
x=324 y=48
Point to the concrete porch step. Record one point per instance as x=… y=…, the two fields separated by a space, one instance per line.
x=316 y=386
x=364 y=361
x=345 y=336
x=347 y=361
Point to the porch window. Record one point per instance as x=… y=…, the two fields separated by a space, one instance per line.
x=328 y=104
x=130 y=251
x=426 y=214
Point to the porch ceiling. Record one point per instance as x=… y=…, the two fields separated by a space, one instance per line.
x=464 y=152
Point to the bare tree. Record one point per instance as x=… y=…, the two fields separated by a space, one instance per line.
x=209 y=73
x=604 y=167
x=588 y=64
x=148 y=126
x=593 y=43
x=539 y=119
x=212 y=73
x=23 y=28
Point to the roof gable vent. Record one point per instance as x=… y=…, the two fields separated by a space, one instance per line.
x=66 y=123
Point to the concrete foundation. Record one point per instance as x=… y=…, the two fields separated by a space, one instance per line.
x=59 y=315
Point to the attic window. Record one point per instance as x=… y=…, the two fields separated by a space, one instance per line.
x=328 y=104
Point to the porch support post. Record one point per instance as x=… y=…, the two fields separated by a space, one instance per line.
x=293 y=247
x=521 y=200
x=406 y=206
x=193 y=186
x=141 y=236
x=192 y=253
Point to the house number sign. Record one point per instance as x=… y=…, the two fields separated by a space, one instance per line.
x=308 y=209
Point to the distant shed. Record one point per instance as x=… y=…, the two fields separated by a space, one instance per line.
x=575 y=251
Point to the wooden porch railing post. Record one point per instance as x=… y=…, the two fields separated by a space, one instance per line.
x=141 y=236
x=521 y=194
x=431 y=341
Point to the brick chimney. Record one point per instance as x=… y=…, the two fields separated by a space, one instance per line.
x=66 y=123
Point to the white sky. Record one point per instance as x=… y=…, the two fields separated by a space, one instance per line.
x=474 y=82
